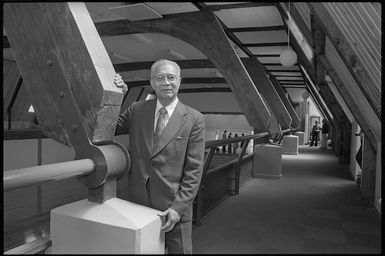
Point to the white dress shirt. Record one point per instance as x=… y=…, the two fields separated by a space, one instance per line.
x=170 y=109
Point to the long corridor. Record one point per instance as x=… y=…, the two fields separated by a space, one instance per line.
x=314 y=207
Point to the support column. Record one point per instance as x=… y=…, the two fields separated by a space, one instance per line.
x=368 y=180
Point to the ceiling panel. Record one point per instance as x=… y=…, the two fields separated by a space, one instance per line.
x=295 y=68
x=268 y=59
x=289 y=78
x=100 y=11
x=268 y=49
x=135 y=49
x=262 y=36
x=250 y=17
x=172 y=7
x=223 y=3
x=286 y=73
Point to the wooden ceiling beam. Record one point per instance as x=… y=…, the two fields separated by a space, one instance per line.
x=263 y=84
x=316 y=95
x=302 y=59
x=295 y=123
x=294 y=13
x=53 y=76
x=370 y=126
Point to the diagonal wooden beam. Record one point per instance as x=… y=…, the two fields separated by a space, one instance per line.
x=294 y=13
x=370 y=126
x=295 y=123
x=302 y=59
x=203 y=31
x=56 y=44
x=352 y=62
x=260 y=79
x=317 y=97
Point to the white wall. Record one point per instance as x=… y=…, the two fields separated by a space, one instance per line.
x=211 y=102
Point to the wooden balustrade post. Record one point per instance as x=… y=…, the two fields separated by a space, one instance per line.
x=198 y=201
x=238 y=167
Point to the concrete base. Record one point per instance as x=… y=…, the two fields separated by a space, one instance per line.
x=290 y=144
x=114 y=227
x=267 y=162
x=301 y=138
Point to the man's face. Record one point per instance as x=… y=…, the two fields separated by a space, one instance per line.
x=165 y=80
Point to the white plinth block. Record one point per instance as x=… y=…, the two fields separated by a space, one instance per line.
x=267 y=161
x=301 y=138
x=113 y=227
x=290 y=144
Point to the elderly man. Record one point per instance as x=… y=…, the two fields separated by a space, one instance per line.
x=167 y=150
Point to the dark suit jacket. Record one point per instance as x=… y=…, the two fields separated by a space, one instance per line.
x=169 y=174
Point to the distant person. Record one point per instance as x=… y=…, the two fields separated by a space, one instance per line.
x=242 y=142
x=324 y=133
x=224 y=136
x=314 y=134
x=229 y=146
x=235 y=144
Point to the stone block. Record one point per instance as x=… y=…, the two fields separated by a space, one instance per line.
x=290 y=144
x=113 y=227
x=267 y=162
x=301 y=138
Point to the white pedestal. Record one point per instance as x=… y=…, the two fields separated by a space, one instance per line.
x=290 y=144
x=323 y=140
x=114 y=227
x=301 y=138
x=267 y=162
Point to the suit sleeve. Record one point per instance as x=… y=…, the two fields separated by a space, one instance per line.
x=192 y=171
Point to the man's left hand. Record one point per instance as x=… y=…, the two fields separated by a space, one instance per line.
x=172 y=217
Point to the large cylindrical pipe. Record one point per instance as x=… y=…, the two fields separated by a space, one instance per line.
x=25 y=177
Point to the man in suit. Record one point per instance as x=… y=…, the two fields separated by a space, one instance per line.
x=167 y=141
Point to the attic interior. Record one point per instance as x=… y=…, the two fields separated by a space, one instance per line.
x=249 y=67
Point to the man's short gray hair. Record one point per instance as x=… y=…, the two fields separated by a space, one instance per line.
x=164 y=61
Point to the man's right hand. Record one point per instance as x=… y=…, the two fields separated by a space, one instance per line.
x=120 y=83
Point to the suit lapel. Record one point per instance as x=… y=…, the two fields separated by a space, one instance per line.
x=176 y=121
x=148 y=124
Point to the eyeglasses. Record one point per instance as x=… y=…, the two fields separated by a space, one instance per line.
x=161 y=78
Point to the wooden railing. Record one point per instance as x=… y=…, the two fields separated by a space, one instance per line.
x=201 y=204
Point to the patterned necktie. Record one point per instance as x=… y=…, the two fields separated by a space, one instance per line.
x=160 y=125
